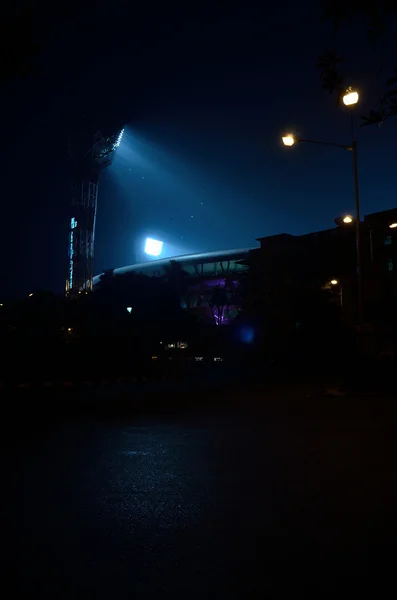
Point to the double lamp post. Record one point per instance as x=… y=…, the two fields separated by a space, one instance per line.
x=350 y=99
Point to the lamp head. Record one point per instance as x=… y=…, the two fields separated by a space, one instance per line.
x=288 y=139
x=350 y=97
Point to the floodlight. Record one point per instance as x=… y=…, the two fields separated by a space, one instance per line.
x=119 y=138
x=153 y=247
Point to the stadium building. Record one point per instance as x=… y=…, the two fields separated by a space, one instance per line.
x=211 y=280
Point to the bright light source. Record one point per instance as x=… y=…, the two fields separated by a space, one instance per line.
x=347 y=219
x=350 y=97
x=334 y=282
x=118 y=141
x=393 y=225
x=288 y=139
x=31 y=294
x=153 y=247
x=70 y=329
x=129 y=309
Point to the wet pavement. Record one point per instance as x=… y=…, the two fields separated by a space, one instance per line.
x=267 y=495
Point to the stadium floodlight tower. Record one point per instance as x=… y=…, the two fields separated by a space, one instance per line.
x=89 y=157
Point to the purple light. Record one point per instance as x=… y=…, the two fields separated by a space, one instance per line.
x=218 y=319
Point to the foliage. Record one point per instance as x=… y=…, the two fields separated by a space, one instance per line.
x=375 y=18
x=176 y=277
x=150 y=298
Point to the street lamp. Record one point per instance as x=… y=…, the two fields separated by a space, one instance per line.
x=393 y=225
x=350 y=99
x=288 y=139
x=335 y=282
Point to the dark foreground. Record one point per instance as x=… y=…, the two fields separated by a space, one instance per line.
x=244 y=493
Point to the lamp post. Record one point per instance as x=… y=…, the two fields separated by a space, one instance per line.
x=350 y=99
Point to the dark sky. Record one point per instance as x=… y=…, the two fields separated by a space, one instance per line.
x=205 y=97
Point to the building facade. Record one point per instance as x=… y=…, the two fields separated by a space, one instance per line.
x=294 y=275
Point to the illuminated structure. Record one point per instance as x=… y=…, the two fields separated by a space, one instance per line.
x=207 y=265
x=211 y=278
x=322 y=260
x=89 y=157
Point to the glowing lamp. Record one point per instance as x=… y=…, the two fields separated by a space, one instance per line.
x=393 y=225
x=288 y=139
x=350 y=97
x=334 y=282
x=347 y=219
x=153 y=247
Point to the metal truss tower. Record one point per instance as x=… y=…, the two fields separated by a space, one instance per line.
x=87 y=165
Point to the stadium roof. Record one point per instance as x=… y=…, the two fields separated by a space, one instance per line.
x=187 y=261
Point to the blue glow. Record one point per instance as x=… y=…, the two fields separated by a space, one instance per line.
x=73 y=225
x=247 y=334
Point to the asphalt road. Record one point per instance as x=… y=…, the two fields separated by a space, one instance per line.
x=274 y=494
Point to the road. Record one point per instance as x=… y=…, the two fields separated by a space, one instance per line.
x=268 y=493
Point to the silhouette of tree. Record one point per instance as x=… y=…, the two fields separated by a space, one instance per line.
x=177 y=278
x=376 y=18
x=217 y=301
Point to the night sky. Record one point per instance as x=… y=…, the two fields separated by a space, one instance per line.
x=204 y=98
